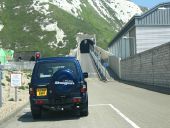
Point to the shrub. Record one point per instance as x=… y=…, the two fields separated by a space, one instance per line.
x=21 y=87
x=3 y=84
x=11 y=99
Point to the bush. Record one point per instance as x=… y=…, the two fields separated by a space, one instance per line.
x=21 y=87
x=11 y=99
x=3 y=84
x=26 y=87
x=29 y=76
x=8 y=78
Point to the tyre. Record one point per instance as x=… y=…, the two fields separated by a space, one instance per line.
x=57 y=83
x=36 y=112
x=84 y=110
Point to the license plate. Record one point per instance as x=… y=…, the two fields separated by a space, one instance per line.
x=41 y=91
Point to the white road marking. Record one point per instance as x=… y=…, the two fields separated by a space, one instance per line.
x=124 y=117
x=94 y=105
x=119 y=113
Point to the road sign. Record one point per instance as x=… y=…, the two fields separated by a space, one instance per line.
x=16 y=79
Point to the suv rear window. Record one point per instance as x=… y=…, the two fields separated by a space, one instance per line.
x=47 y=69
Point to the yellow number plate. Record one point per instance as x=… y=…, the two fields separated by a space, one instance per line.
x=41 y=91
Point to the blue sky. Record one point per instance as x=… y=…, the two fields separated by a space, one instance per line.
x=149 y=3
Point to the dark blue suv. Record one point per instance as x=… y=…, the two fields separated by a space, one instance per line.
x=58 y=84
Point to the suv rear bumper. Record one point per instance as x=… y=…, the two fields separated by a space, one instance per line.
x=51 y=104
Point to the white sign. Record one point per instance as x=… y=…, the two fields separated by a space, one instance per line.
x=16 y=79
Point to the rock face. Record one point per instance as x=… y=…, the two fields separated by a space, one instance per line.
x=51 y=25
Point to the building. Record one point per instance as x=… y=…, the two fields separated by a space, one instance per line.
x=25 y=55
x=143 y=32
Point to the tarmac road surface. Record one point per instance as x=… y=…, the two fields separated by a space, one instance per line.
x=88 y=65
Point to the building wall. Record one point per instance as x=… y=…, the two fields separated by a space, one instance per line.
x=24 y=55
x=121 y=48
x=151 y=36
x=150 y=67
x=132 y=41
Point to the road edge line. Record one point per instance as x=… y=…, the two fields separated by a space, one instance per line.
x=124 y=117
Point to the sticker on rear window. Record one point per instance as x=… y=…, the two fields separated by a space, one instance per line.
x=66 y=82
x=44 y=76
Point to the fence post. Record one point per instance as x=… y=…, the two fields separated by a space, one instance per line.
x=0 y=87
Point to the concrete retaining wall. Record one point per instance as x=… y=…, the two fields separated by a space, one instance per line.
x=114 y=64
x=149 y=67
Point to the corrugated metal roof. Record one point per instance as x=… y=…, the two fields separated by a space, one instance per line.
x=163 y=18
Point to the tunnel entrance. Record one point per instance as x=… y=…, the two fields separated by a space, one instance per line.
x=85 y=46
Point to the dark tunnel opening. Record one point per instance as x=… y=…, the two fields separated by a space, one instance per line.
x=85 y=46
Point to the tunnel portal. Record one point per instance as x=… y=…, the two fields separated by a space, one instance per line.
x=85 y=45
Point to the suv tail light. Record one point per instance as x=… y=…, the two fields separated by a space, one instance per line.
x=76 y=100
x=39 y=102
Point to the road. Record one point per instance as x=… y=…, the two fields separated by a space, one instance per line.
x=111 y=105
x=88 y=65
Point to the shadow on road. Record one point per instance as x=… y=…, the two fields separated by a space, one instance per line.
x=49 y=116
x=163 y=90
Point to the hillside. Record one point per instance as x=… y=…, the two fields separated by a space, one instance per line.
x=51 y=25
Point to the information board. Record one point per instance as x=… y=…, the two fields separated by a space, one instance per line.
x=16 y=79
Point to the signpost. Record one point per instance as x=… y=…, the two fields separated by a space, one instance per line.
x=16 y=79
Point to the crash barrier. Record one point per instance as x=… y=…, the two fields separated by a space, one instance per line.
x=101 y=68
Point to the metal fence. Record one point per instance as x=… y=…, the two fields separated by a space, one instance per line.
x=23 y=65
x=102 y=70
